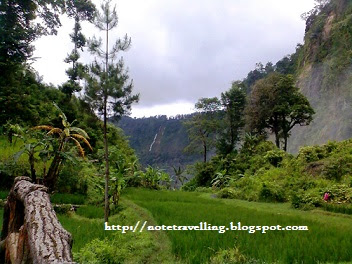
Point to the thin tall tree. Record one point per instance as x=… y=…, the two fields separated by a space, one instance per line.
x=108 y=90
x=79 y=10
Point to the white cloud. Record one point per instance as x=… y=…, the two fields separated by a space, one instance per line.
x=184 y=50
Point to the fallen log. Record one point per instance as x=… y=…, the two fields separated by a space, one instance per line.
x=31 y=232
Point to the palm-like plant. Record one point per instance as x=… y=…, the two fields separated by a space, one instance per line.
x=66 y=134
x=30 y=147
x=221 y=179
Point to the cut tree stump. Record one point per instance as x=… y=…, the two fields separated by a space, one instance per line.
x=31 y=232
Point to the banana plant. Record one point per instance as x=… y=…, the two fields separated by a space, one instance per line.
x=65 y=134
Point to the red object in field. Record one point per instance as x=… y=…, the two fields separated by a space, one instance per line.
x=326 y=196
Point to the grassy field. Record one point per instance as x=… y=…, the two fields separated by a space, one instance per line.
x=329 y=238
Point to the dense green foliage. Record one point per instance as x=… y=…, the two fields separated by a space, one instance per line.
x=275 y=104
x=233 y=102
x=262 y=172
x=203 y=126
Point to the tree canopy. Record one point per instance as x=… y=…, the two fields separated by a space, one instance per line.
x=275 y=104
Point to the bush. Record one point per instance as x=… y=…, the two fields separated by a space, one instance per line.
x=306 y=200
x=69 y=180
x=340 y=193
x=123 y=248
x=204 y=174
x=272 y=193
x=337 y=168
x=227 y=193
x=190 y=186
x=99 y=252
x=275 y=157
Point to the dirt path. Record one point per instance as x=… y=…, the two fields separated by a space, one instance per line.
x=162 y=241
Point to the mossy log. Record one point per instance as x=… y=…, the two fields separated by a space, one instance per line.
x=31 y=232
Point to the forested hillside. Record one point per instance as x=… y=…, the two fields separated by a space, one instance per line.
x=159 y=140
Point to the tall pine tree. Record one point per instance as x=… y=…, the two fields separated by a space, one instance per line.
x=80 y=10
x=108 y=90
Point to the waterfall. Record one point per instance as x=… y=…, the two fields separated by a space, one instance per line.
x=150 y=148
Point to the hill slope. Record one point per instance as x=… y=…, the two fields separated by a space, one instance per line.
x=325 y=75
x=158 y=140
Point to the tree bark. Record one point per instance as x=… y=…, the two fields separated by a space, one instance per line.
x=31 y=232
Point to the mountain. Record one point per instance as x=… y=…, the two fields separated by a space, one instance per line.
x=324 y=74
x=159 y=141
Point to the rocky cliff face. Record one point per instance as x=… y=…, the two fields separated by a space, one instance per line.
x=325 y=75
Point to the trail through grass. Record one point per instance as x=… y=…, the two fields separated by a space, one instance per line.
x=92 y=241
x=329 y=238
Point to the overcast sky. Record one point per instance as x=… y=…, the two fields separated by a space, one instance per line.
x=184 y=50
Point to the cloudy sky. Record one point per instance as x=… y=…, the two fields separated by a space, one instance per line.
x=184 y=50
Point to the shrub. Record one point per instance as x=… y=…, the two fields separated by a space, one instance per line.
x=204 y=174
x=311 y=153
x=123 y=248
x=227 y=193
x=337 y=168
x=272 y=193
x=69 y=180
x=190 y=186
x=275 y=157
x=99 y=252
x=340 y=193
x=306 y=200
x=229 y=256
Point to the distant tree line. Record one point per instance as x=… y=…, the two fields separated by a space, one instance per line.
x=266 y=102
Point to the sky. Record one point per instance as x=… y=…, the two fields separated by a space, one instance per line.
x=185 y=50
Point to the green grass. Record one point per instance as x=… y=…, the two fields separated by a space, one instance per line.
x=93 y=243
x=91 y=212
x=83 y=230
x=338 y=208
x=66 y=198
x=328 y=240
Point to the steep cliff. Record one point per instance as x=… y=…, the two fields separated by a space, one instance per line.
x=324 y=74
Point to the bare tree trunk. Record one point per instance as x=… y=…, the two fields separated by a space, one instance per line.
x=106 y=199
x=31 y=232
